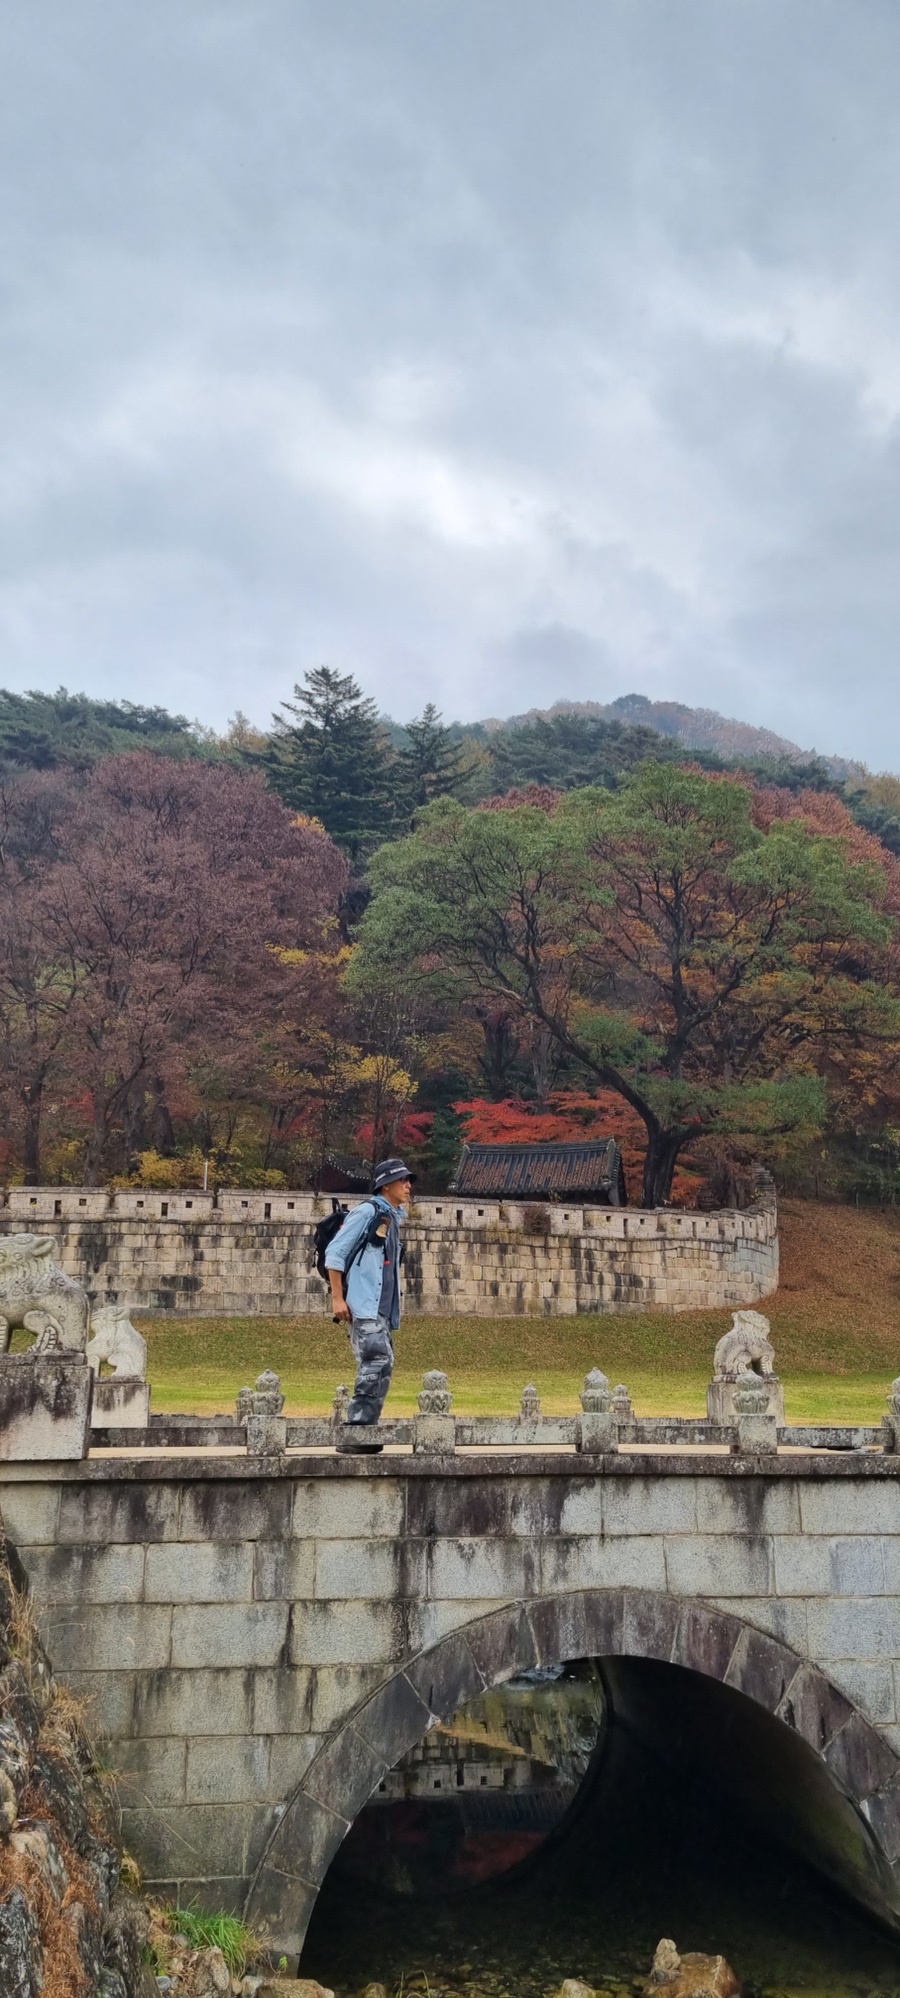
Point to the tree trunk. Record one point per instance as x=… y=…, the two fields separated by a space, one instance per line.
x=33 y=1098
x=96 y=1145
x=541 y=1053
x=501 y=1049
x=161 y=1127
x=660 y=1161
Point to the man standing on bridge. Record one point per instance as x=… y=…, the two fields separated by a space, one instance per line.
x=363 y=1264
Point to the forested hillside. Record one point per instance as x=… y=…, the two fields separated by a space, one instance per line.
x=342 y=935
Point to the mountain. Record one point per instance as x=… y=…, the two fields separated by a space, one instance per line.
x=694 y=728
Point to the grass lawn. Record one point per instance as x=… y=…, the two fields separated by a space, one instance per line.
x=835 y=1326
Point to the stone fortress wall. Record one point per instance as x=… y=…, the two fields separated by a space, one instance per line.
x=249 y=1252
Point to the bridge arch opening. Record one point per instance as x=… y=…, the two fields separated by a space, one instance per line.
x=710 y=1720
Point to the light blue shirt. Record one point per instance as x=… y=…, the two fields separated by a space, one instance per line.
x=366 y=1276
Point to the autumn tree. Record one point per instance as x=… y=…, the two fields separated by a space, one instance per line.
x=145 y=906
x=700 y=965
x=40 y=976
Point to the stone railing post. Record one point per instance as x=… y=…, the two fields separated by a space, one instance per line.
x=530 y=1404
x=434 y=1428
x=340 y=1405
x=595 y=1427
x=621 y=1403
x=757 y=1430
x=266 y=1426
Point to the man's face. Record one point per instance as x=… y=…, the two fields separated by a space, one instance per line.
x=397 y=1192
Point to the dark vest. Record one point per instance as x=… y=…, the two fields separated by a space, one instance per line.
x=389 y=1302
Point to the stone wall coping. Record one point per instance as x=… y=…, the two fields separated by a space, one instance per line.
x=815 y=1466
x=445 y=1214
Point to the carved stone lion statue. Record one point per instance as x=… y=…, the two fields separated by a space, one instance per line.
x=746 y=1348
x=37 y=1295
x=118 y=1342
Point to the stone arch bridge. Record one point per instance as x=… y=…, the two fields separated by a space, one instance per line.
x=264 y=1639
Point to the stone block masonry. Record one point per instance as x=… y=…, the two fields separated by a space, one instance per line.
x=247 y=1253
x=261 y=1643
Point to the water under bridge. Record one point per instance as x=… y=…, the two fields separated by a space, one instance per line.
x=266 y=1638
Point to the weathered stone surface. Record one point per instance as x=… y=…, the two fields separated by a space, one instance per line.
x=133 y=1513
x=124 y=1936
x=401 y=1590
x=690 y=1976
x=433 y=1435
x=362 y=1569
x=53 y=1934
x=306 y=1987
x=228 y=1634
x=360 y=1508
x=87 y=1574
x=394 y=1718
x=259 y=1510
x=226 y=1769
x=188 y=1702
x=137 y=1631
x=117 y=1342
x=762 y=1669
x=120 y=1404
x=151 y=1771
x=344 y=1633
x=21 y=1956
x=45 y=1407
x=197 y=1572
x=345 y=1773
x=38 y=1296
x=445 y=1680
x=210 y=1975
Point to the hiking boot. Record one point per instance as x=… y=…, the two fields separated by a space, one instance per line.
x=349 y=1447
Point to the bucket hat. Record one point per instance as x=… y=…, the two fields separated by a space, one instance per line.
x=389 y=1170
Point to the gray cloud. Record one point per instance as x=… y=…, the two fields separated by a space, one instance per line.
x=493 y=353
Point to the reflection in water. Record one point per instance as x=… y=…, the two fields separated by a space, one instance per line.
x=507 y=1886
x=484 y=1792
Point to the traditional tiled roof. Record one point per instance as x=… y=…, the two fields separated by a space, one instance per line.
x=357 y=1170
x=523 y=1172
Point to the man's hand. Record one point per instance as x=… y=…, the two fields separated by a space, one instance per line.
x=340 y=1309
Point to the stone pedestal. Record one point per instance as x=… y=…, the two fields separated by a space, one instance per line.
x=433 y=1427
x=433 y=1435
x=757 y=1435
x=720 y=1404
x=757 y=1430
x=596 y=1428
x=120 y=1403
x=45 y=1407
x=596 y=1432
x=266 y=1427
x=266 y=1435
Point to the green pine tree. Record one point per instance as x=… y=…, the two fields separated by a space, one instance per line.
x=329 y=757
x=430 y=761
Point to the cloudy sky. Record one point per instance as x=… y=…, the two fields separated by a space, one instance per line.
x=492 y=350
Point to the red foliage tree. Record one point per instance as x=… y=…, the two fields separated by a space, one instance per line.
x=168 y=894
x=569 y=1116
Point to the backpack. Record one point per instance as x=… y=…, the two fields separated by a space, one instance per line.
x=324 y=1234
